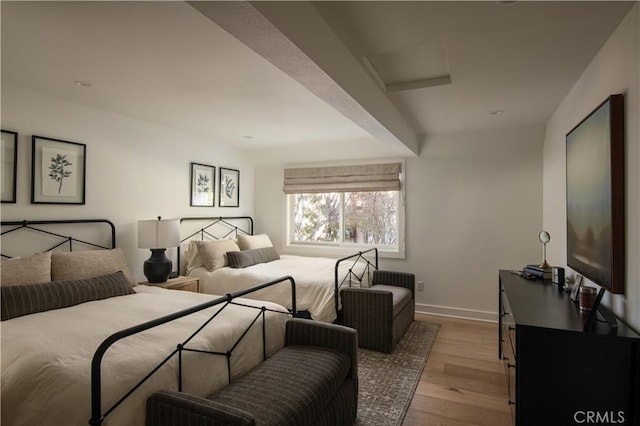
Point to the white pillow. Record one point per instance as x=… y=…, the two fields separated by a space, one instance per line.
x=250 y=242
x=211 y=255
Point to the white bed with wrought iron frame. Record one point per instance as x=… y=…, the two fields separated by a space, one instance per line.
x=97 y=362
x=318 y=279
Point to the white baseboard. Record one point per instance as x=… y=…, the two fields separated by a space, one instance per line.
x=457 y=312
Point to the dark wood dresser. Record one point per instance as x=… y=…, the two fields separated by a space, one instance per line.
x=557 y=374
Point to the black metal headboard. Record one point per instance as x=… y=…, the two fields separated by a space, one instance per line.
x=54 y=234
x=213 y=228
x=218 y=228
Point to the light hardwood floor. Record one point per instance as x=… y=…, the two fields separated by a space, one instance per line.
x=463 y=382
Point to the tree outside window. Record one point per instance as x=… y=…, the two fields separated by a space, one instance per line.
x=365 y=218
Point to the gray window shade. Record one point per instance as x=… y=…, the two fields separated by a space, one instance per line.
x=360 y=178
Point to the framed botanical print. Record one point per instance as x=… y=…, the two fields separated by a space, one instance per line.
x=9 y=161
x=229 y=192
x=58 y=171
x=203 y=180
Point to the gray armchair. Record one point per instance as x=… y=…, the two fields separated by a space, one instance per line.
x=381 y=313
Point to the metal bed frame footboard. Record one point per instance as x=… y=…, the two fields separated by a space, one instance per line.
x=355 y=258
x=98 y=416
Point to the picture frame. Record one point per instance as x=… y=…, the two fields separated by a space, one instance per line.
x=595 y=195
x=229 y=188
x=9 y=161
x=58 y=171
x=575 y=291
x=589 y=323
x=203 y=183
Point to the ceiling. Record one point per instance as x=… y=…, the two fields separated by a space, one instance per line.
x=274 y=74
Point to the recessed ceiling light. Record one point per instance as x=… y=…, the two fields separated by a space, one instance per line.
x=496 y=112
x=82 y=83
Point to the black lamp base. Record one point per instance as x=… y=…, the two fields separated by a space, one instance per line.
x=158 y=267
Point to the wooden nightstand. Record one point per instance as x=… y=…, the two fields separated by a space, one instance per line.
x=182 y=283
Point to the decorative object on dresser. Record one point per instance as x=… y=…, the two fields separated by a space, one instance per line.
x=554 y=368
x=158 y=235
x=575 y=290
x=203 y=181
x=181 y=283
x=229 y=191
x=592 y=303
x=381 y=313
x=58 y=171
x=9 y=161
x=595 y=196
x=587 y=297
x=557 y=275
x=544 y=238
x=536 y=271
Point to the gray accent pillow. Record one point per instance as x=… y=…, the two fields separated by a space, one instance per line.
x=22 y=300
x=34 y=269
x=244 y=258
x=79 y=265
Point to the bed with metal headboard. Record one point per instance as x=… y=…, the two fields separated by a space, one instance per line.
x=226 y=256
x=92 y=346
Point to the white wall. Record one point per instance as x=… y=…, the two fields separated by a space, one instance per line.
x=615 y=69
x=135 y=170
x=473 y=206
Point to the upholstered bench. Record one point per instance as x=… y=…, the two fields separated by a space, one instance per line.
x=313 y=380
x=381 y=313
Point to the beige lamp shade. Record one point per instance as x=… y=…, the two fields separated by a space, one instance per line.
x=155 y=234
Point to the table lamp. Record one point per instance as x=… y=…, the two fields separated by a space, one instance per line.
x=157 y=235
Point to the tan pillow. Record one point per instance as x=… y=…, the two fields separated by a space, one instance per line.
x=213 y=254
x=34 y=269
x=79 y=265
x=250 y=242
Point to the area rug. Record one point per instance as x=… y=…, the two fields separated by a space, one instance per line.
x=387 y=382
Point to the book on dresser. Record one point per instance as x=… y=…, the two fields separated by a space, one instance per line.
x=537 y=271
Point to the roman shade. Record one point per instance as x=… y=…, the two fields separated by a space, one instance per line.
x=357 y=178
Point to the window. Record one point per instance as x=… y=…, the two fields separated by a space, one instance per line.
x=336 y=219
x=350 y=217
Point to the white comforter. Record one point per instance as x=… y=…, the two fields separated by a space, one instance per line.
x=314 y=277
x=46 y=357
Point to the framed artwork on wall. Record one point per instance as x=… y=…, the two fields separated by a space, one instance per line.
x=595 y=196
x=203 y=180
x=58 y=171
x=9 y=161
x=229 y=192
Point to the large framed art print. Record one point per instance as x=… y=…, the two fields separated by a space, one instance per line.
x=203 y=179
x=9 y=161
x=58 y=171
x=229 y=193
x=595 y=196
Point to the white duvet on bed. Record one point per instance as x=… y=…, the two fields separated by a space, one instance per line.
x=46 y=357
x=314 y=277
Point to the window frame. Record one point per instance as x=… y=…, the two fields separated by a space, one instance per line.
x=341 y=248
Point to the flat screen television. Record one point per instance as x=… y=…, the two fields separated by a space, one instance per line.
x=595 y=196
